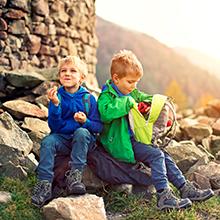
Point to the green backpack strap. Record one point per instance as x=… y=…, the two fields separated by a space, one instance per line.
x=86 y=102
x=157 y=104
x=143 y=131
x=59 y=97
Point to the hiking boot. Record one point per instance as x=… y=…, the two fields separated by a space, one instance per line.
x=191 y=191
x=167 y=200
x=74 y=182
x=42 y=193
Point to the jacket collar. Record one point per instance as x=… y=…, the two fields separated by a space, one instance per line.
x=109 y=88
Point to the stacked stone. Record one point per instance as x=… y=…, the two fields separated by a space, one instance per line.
x=38 y=33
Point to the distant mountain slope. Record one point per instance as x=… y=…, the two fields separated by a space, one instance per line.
x=200 y=59
x=161 y=63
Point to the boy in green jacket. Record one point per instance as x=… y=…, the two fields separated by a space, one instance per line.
x=118 y=96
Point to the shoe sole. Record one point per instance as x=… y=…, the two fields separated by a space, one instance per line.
x=203 y=198
x=167 y=208
x=77 y=191
x=45 y=202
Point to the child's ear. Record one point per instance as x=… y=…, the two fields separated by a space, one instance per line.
x=82 y=79
x=115 y=78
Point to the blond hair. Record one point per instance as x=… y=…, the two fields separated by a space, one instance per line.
x=77 y=62
x=125 y=62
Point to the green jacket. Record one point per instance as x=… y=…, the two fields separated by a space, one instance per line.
x=114 y=111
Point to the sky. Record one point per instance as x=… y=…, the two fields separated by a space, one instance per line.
x=177 y=23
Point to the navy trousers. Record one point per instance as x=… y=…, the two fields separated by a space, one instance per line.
x=163 y=168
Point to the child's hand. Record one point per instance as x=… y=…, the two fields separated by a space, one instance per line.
x=80 y=117
x=52 y=95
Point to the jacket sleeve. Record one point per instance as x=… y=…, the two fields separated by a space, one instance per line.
x=111 y=108
x=55 y=120
x=141 y=96
x=93 y=122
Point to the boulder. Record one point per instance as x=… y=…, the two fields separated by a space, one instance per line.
x=12 y=135
x=185 y=154
x=85 y=207
x=20 y=109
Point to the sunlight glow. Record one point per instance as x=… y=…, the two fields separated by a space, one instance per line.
x=176 y=23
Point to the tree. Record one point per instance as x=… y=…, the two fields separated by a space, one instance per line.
x=203 y=100
x=175 y=91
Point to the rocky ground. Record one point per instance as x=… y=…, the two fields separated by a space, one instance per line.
x=23 y=123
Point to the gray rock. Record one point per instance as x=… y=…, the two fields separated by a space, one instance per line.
x=24 y=79
x=185 y=154
x=20 y=109
x=5 y=197
x=13 y=136
x=11 y=160
x=215 y=144
x=36 y=125
x=85 y=207
x=40 y=7
x=36 y=137
x=22 y=4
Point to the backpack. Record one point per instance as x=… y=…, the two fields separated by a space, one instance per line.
x=105 y=167
x=168 y=133
x=143 y=124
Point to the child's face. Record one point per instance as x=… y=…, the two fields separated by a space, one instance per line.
x=127 y=83
x=69 y=76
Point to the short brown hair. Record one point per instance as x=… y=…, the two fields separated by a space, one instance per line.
x=125 y=62
x=77 y=62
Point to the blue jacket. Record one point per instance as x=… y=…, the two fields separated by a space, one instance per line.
x=60 y=118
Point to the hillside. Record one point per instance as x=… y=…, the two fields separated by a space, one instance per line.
x=161 y=63
x=200 y=59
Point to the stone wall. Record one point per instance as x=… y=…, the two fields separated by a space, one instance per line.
x=37 y=33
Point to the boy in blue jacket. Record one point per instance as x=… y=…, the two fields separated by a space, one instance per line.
x=72 y=131
x=118 y=97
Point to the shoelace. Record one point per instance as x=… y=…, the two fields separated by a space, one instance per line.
x=170 y=195
x=192 y=188
x=37 y=188
x=40 y=187
x=73 y=176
